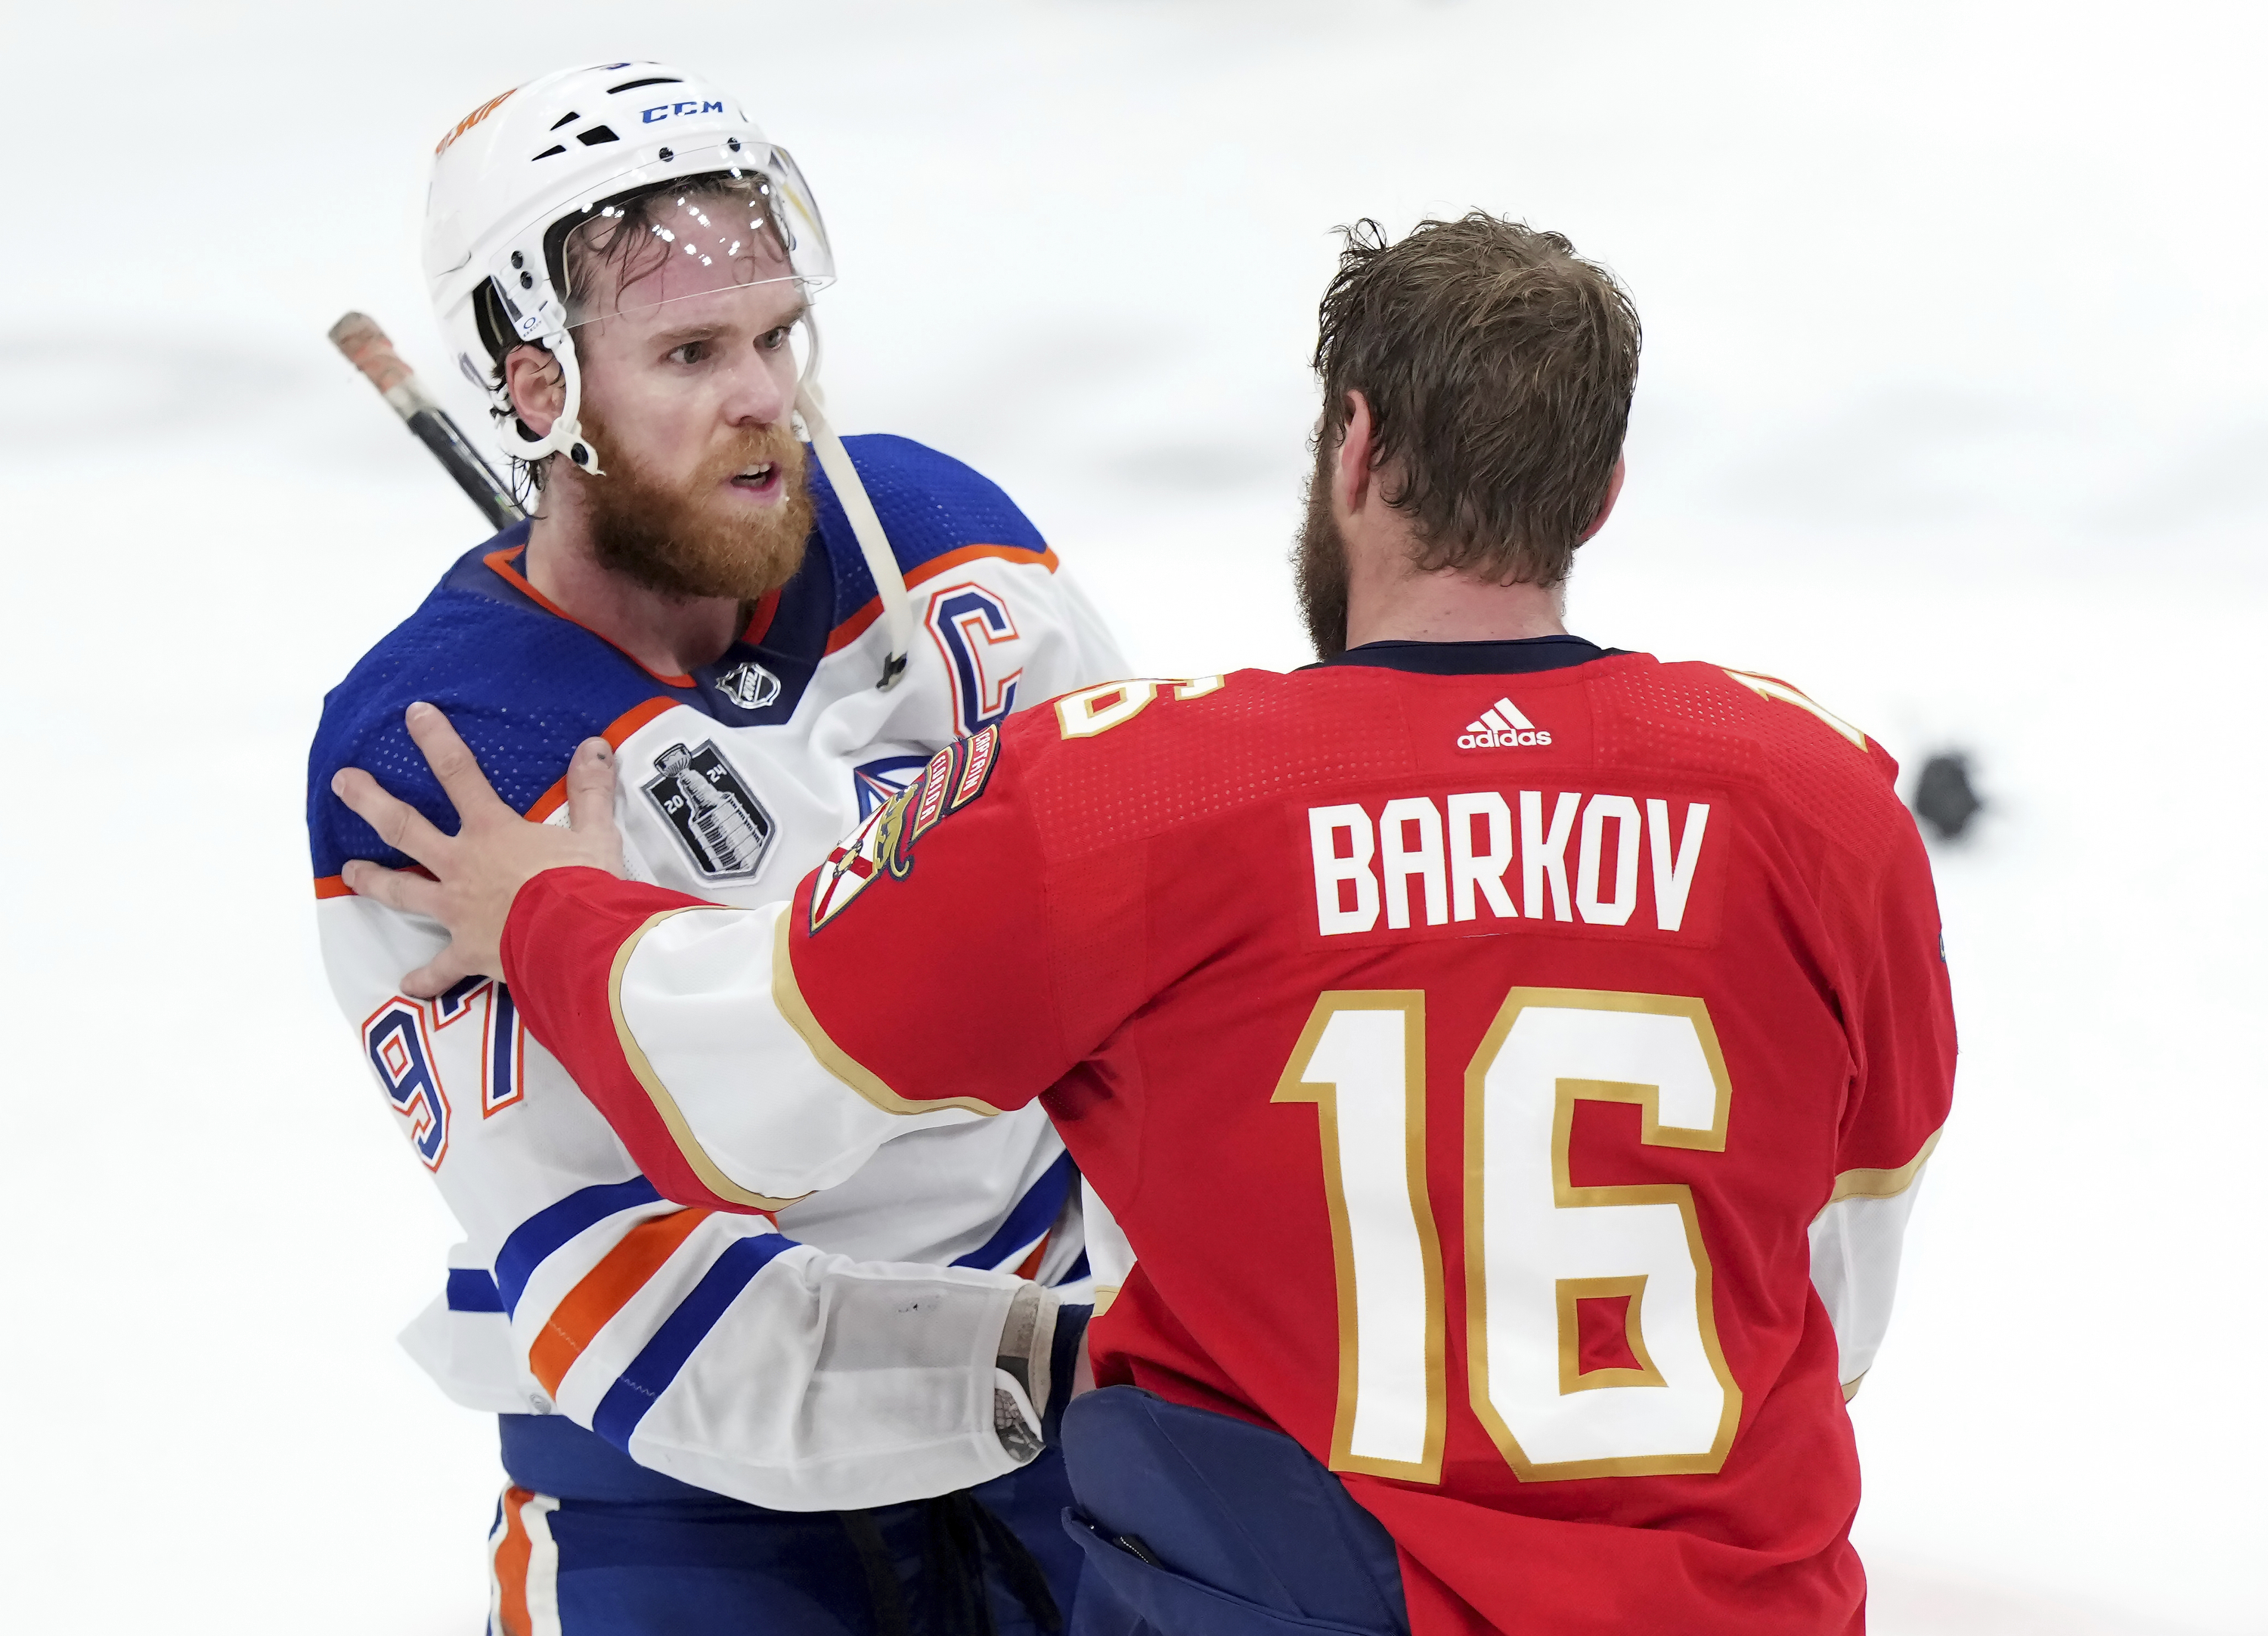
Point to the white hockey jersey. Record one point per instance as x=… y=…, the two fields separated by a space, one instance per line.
x=839 y=1352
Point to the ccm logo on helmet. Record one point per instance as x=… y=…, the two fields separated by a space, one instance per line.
x=1501 y=726
x=670 y=110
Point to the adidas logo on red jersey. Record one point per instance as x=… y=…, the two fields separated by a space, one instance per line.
x=1501 y=726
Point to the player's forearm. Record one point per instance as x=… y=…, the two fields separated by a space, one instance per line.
x=666 y=1013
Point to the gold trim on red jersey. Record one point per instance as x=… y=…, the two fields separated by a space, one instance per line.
x=1882 y=1184
x=1573 y=1377
x=1295 y=1086
x=787 y=998
x=1565 y=1195
x=664 y=1104
x=1773 y=688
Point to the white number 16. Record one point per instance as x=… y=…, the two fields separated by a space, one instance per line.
x=1536 y=1245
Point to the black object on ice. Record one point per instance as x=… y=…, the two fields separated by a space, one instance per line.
x=1943 y=799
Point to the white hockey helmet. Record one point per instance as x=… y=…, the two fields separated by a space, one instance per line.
x=515 y=176
x=518 y=173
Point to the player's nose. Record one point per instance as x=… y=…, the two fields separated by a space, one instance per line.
x=759 y=392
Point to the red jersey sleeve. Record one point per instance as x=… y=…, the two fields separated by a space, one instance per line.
x=940 y=965
x=950 y=907
x=560 y=948
x=1881 y=907
x=1901 y=1028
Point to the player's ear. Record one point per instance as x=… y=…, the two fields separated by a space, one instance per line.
x=1607 y=505
x=538 y=390
x=1352 y=472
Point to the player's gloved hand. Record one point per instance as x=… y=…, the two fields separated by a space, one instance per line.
x=476 y=873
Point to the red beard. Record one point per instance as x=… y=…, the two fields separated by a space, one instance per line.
x=689 y=539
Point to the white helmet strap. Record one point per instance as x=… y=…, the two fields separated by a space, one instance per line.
x=873 y=544
x=566 y=434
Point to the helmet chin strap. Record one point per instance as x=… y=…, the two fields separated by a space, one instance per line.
x=566 y=434
x=873 y=544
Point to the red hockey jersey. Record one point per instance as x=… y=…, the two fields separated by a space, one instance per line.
x=1509 y=1063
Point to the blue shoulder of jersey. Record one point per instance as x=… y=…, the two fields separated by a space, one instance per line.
x=522 y=686
x=929 y=504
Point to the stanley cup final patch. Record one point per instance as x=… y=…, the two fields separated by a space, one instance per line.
x=723 y=828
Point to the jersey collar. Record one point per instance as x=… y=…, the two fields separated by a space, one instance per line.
x=757 y=682
x=1472 y=658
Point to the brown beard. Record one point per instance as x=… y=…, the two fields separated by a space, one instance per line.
x=684 y=539
x=1319 y=564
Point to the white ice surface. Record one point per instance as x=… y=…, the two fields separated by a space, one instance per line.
x=1953 y=413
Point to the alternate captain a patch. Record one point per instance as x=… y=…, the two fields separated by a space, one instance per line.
x=883 y=843
x=721 y=826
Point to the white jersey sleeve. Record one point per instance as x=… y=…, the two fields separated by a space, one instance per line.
x=1856 y=1245
x=708 y=1346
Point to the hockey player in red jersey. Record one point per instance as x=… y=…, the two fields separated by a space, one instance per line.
x=1510 y=1058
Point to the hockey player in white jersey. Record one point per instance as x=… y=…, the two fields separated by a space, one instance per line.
x=813 y=1415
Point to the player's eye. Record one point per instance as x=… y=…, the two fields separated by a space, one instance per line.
x=690 y=353
x=773 y=340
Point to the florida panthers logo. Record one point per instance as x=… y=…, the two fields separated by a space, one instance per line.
x=882 y=845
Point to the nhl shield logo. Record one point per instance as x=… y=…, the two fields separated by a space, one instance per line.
x=723 y=827
x=749 y=685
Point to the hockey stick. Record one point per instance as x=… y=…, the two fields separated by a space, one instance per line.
x=368 y=350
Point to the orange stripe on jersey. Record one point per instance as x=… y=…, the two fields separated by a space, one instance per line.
x=760 y=617
x=1031 y=1267
x=500 y=563
x=618 y=733
x=336 y=886
x=851 y=629
x=510 y=1566
x=604 y=1291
